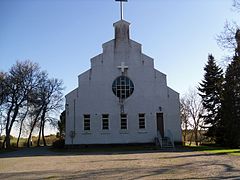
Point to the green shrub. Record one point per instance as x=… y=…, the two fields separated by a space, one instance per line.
x=13 y=144
x=59 y=143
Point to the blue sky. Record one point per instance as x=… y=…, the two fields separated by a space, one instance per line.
x=62 y=35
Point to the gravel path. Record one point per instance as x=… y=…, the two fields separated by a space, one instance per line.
x=39 y=163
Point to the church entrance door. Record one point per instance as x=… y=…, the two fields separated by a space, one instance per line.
x=160 y=125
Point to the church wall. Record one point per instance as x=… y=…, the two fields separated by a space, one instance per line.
x=104 y=67
x=114 y=135
x=94 y=96
x=174 y=123
x=86 y=75
x=69 y=106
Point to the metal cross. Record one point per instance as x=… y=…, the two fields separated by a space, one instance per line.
x=122 y=67
x=121 y=7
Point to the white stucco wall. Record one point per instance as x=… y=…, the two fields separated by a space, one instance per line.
x=94 y=96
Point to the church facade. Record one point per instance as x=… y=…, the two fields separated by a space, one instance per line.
x=122 y=98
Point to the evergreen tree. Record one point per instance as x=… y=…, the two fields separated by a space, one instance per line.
x=211 y=93
x=61 y=125
x=231 y=100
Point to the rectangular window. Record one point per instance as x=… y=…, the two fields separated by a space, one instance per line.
x=141 y=118
x=123 y=121
x=105 y=121
x=86 y=122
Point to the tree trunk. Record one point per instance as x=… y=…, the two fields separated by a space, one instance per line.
x=30 y=134
x=200 y=137
x=44 y=141
x=39 y=134
x=29 y=139
x=33 y=126
x=4 y=143
x=7 y=140
x=190 y=143
x=20 y=131
x=8 y=145
x=185 y=133
x=43 y=123
x=184 y=137
x=196 y=136
x=7 y=137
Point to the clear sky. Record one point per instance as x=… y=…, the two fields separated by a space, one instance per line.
x=62 y=35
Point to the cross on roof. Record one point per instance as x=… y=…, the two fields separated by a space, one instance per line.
x=121 y=7
x=122 y=67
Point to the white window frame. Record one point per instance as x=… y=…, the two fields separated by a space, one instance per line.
x=141 y=121
x=84 y=122
x=105 y=118
x=121 y=123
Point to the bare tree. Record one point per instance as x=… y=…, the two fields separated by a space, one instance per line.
x=52 y=101
x=2 y=100
x=236 y=5
x=184 y=119
x=19 y=82
x=27 y=93
x=2 y=122
x=193 y=108
x=22 y=117
x=227 y=38
x=36 y=105
x=3 y=90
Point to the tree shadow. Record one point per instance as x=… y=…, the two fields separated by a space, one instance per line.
x=165 y=172
x=49 y=151
x=191 y=155
x=132 y=173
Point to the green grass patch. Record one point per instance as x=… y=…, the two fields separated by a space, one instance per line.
x=2 y=151
x=215 y=150
x=23 y=141
x=51 y=177
x=225 y=151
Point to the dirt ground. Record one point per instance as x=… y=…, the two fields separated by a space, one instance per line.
x=44 y=164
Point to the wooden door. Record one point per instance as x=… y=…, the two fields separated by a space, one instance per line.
x=160 y=124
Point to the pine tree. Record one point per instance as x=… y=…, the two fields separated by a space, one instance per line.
x=231 y=104
x=61 y=125
x=231 y=100
x=211 y=93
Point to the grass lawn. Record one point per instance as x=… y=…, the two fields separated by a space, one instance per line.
x=216 y=150
x=2 y=151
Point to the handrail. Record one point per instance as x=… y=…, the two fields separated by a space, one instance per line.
x=159 y=138
x=171 y=137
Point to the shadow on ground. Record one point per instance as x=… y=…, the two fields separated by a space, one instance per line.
x=49 y=151
x=127 y=173
x=166 y=164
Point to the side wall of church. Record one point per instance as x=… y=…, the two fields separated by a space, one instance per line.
x=173 y=123
x=94 y=96
x=71 y=99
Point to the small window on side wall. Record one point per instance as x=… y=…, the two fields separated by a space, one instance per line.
x=123 y=121
x=86 y=122
x=141 y=118
x=105 y=122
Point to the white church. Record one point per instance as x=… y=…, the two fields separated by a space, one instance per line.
x=122 y=98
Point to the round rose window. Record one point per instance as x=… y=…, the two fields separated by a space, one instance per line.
x=122 y=87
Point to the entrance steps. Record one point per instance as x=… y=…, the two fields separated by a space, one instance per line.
x=164 y=142
x=167 y=143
